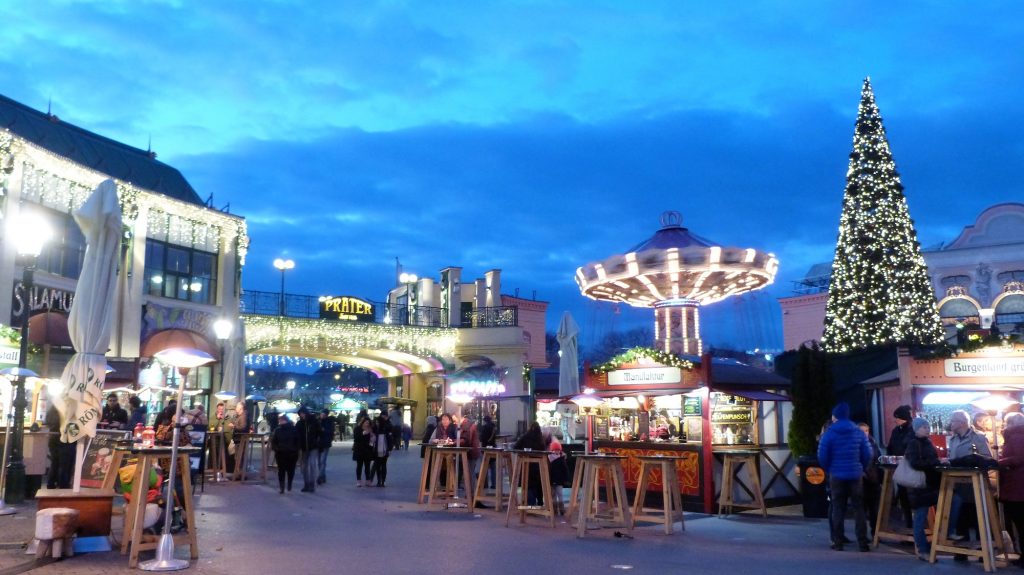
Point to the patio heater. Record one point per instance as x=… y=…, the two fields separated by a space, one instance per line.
x=185 y=359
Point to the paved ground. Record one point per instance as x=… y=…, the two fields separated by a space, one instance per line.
x=253 y=529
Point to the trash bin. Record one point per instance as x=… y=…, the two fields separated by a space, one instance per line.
x=813 y=487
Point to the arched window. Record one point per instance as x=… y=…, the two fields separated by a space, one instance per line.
x=958 y=310
x=1010 y=313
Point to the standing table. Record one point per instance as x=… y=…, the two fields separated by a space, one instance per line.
x=671 y=497
x=246 y=443
x=136 y=509
x=586 y=485
x=217 y=466
x=882 y=527
x=502 y=461
x=732 y=460
x=989 y=527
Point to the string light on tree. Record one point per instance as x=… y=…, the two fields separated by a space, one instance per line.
x=879 y=292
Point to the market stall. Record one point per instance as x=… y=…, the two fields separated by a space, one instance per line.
x=696 y=409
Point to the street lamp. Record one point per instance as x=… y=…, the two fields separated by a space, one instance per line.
x=283 y=265
x=184 y=359
x=290 y=386
x=410 y=300
x=222 y=328
x=29 y=232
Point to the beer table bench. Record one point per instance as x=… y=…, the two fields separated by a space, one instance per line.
x=502 y=461
x=671 y=497
x=731 y=463
x=586 y=486
x=518 y=495
x=243 y=456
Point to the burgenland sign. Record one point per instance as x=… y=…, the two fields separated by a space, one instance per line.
x=985 y=367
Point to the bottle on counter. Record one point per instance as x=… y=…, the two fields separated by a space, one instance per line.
x=148 y=437
x=137 y=433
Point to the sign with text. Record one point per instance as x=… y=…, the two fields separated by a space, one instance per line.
x=9 y=355
x=691 y=405
x=159 y=317
x=346 y=308
x=41 y=298
x=985 y=367
x=645 y=376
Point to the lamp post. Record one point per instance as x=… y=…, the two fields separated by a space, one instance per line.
x=30 y=232
x=290 y=386
x=283 y=265
x=222 y=328
x=410 y=302
x=184 y=359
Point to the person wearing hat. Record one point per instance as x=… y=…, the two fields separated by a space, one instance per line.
x=922 y=456
x=900 y=437
x=844 y=453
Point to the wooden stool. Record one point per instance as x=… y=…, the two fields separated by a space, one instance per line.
x=55 y=527
x=136 y=509
x=521 y=462
x=450 y=458
x=989 y=527
x=424 y=492
x=882 y=528
x=217 y=470
x=671 y=497
x=615 y=490
x=731 y=463
x=502 y=463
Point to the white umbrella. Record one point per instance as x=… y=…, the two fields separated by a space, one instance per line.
x=234 y=363
x=91 y=319
x=568 y=364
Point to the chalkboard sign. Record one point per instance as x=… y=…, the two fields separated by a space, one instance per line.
x=100 y=454
x=601 y=427
x=196 y=460
x=691 y=406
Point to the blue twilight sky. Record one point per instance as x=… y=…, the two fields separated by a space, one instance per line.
x=536 y=136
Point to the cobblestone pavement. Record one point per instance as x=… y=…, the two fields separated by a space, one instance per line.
x=253 y=529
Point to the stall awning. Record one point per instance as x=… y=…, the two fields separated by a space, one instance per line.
x=887 y=379
x=754 y=394
x=395 y=401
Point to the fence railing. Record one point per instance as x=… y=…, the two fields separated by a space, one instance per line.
x=308 y=307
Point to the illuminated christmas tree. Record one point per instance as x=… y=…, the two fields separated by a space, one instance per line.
x=880 y=292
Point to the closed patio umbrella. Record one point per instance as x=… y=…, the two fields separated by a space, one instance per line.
x=91 y=319
x=568 y=345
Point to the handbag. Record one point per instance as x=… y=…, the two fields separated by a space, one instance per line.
x=907 y=476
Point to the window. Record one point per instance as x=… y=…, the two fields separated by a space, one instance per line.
x=180 y=273
x=64 y=253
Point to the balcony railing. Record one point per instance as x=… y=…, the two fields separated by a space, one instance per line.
x=308 y=307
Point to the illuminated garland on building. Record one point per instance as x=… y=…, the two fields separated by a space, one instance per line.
x=632 y=355
x=58 y=183
x=346 y=338
x=880 y=292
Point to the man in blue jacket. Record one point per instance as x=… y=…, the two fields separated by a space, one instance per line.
x=844 y=453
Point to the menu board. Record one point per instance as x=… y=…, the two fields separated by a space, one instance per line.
x=601 y=427
x=691 y=406
x=694 y=427
x=99 y=456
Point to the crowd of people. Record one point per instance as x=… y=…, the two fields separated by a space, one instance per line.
x=849 y=455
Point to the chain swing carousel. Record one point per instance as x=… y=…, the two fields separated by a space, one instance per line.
x=672 y=399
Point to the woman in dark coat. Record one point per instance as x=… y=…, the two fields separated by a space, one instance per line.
x=382 y=445
x=921 y=455
x=533 y=439
x=1011 y=476
x=362 y=451
x=446 y=430
x=285 y=443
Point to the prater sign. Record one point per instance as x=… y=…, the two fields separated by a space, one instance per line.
x=346 y=308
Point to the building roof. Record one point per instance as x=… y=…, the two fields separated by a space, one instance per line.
x=671 y=236
x=132 y=165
